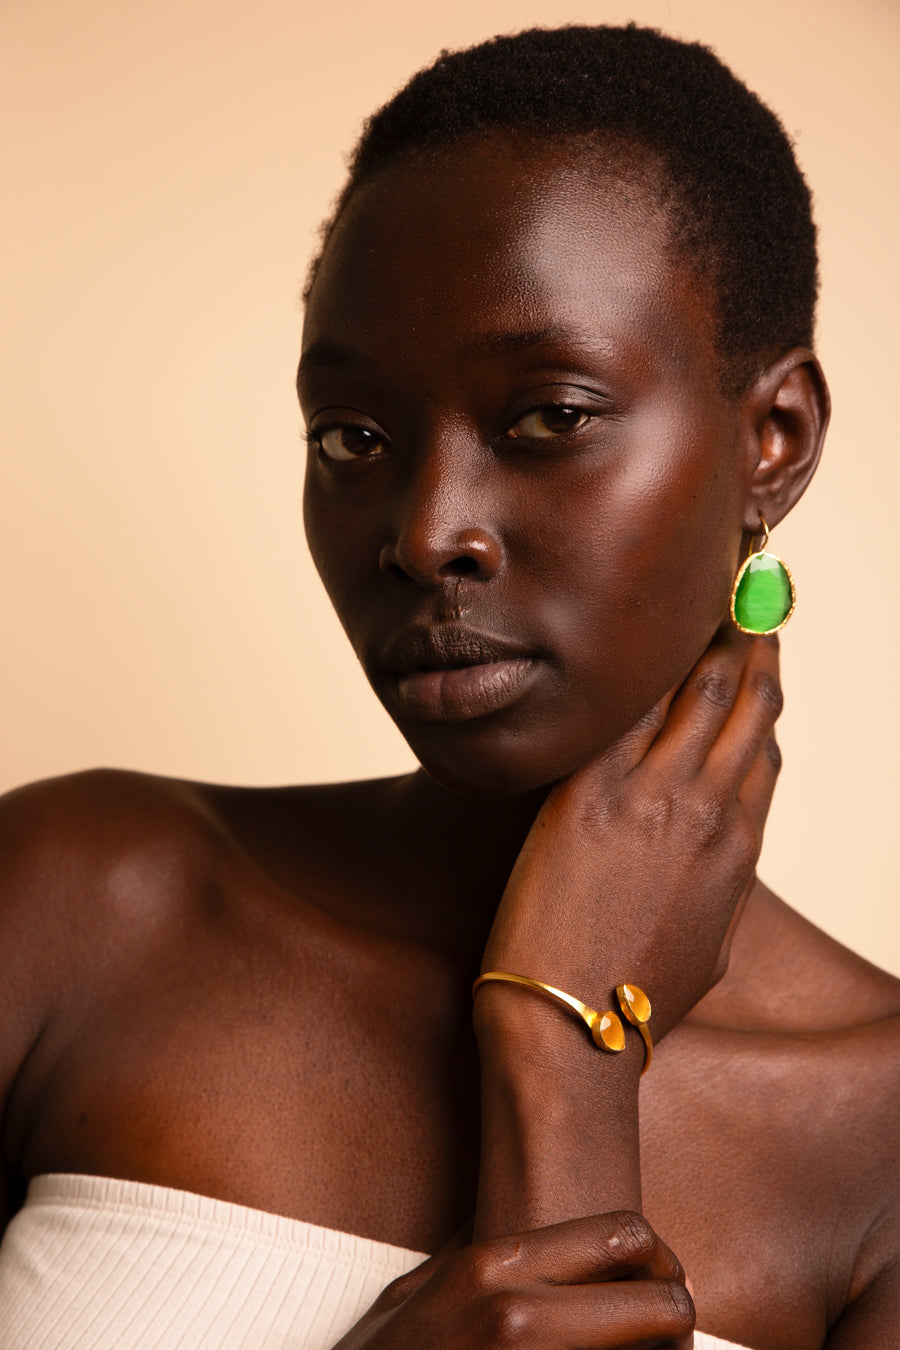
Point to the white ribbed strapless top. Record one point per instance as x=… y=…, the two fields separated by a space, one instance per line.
x=94 y=1264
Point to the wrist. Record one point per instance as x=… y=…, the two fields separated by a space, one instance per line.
x=550 y=1098
x=528 y=1032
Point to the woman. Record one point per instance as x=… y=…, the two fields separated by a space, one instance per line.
x=558 y=383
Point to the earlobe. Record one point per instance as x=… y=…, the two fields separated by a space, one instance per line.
x=787 y=416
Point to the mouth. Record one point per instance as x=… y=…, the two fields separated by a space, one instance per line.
x=447 y=673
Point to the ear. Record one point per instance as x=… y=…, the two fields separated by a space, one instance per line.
x=785 y=416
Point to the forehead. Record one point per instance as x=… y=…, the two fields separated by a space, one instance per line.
x=496 y=238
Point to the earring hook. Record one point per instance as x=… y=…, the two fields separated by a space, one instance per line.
x=765 y=536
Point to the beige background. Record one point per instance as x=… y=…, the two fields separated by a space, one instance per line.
x=165 y=167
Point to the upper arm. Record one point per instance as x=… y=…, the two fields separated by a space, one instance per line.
x=871 y=1316
x=81 y=858
x=29 y=877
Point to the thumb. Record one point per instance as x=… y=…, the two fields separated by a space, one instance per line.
x=399 y=1290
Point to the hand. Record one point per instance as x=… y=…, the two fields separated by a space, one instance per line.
x=602 y=1283
x=637 y=865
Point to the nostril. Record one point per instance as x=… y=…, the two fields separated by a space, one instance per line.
x=394 y=570
x=463 y=566
x=427 y=559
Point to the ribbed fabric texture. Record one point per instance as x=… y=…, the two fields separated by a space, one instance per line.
x=95 y=1264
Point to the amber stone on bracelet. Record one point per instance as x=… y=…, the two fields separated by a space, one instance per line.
x=635 y=1003
x=608 y=1032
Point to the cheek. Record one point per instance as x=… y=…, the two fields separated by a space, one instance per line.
x=316 y=531
x=336 y=545
x=650 y=553
x=678 y=574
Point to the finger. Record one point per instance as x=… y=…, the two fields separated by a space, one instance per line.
x=403 y=1288
x=756 y=709
x=638 y=1314
x=613 y=1246
x=758 y=788
x=395 y=1294
x=703 y=705
x=632 y=747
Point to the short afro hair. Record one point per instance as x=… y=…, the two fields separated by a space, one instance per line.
x=742 y=208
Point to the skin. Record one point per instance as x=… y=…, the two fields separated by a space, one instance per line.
x=619 y=553
x=205 y=984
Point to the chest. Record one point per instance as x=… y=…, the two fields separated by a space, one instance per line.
x=283 y=1079
x=755 y=1217
x=275 y=1075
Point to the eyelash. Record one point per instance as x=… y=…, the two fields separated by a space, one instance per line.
x=316 y=438
x=559 y=409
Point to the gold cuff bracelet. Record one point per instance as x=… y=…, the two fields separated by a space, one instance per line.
x=605 y=1027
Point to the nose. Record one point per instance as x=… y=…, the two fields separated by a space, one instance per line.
x=439 y=532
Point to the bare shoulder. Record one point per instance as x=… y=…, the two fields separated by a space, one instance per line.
x=77 y=855
x=97 y=848
x=800 y=1048
x=785 y=974
x=96 y=834
x=824 y=1025
x=90 y=865
x=101 y=859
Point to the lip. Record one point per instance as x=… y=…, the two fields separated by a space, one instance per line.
x=448 y=673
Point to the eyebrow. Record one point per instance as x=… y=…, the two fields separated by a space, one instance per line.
x=504 y=343
x=500 y=343
x=331 y=354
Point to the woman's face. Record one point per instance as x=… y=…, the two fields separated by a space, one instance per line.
x=524 y=491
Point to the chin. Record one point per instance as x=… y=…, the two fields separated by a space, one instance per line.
x=495 y=786
x=492 y=766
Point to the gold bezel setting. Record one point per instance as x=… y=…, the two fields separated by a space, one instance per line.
x=756 y=632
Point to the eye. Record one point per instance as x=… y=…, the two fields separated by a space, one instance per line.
x=554 y=420
x=347 y=442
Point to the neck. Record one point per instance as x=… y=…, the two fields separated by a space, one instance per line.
x=464 y=848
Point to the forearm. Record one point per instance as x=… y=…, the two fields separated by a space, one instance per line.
x=559 y=1116
x=633 y=870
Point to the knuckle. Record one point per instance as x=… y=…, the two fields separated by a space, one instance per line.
x=747 y=845
x=507 y=1319
x=715 y=688
x=773 y=754
x=740 y=861
x=706 y=819
x=483 y=1265
x=678 y=1306
x=480 y=1270
x=595 y=811
x=632 y=1236
x=768 y=690
x=657 y=812
x=666 y=1263
x=590 y=798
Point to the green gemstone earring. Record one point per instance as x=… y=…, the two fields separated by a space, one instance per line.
x=763 y=595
